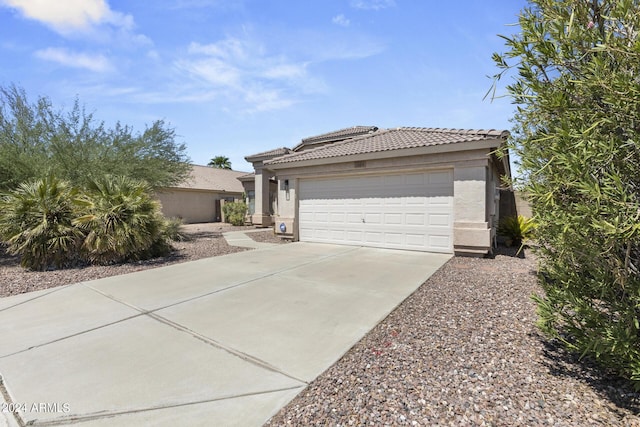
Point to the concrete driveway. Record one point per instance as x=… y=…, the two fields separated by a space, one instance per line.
x=219 y=341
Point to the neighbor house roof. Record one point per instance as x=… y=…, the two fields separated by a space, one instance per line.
x=391 y=139
x=212 y=179
x=335 y=136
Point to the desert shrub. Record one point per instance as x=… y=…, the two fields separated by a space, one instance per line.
x=577 y=128
x=37 y=140
x=516 y=228
x=234 y=212
x=172 y=230
x=36 y=222
x=122 y=221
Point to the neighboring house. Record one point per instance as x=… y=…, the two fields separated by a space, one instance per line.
x=198 y=198
x=425 y=189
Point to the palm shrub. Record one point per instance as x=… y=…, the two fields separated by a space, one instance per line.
x=121 y=221
x=577 y=133
x=517 y=229
x=36 y=222
x=234 y=212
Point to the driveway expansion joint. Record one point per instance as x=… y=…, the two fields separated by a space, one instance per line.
x=237 y=353
x=111 y=414
x=70 y=336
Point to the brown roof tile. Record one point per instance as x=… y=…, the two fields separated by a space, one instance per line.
x=268 y=154
x=392 y=139
x=337 y=135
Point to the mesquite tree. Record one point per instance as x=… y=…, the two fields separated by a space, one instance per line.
x=575 y=66
x=37 y=141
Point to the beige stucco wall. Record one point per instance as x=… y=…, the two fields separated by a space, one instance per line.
x=472 y=170
x=522 y=205
x=193 y=206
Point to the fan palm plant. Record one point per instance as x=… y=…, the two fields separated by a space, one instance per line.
x=36 y=222
x=220 y=162
x=122 y=221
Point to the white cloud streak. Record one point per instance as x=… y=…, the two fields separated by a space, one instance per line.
x=96 y=63
x=241 y=70
x=372 y=4
x=341 y=20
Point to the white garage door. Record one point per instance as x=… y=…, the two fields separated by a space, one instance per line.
x=409 y=211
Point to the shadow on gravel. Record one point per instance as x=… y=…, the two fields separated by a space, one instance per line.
x=617 y=390
x=7 y=260
x=201 y=235
x=510 y=251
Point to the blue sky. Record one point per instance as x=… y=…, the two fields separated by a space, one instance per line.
x=237 y=77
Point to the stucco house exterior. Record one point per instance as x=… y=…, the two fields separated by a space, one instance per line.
x=426 y=189
x=198 y=198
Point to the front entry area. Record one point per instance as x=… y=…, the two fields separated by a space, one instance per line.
x=411 y=211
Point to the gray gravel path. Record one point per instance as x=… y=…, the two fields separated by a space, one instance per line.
x=463 y=350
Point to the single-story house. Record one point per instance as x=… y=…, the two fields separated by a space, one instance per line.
x=198 y=198
x=426 y=189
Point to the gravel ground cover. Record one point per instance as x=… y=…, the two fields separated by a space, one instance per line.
x=204 y=240
x=463 y=350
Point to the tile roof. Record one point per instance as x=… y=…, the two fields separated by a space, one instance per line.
x=337 y=135
x=268 y=154
x=392 y=139
x=213 y=179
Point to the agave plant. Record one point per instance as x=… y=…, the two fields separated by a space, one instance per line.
x=516 y=228
x=122 y=221
x=36 y=222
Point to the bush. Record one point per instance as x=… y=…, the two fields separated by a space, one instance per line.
x=122 y=221
x=576 y=132
x=517 y=229
x=36 y=222
x=172 y=230
x=38 y=140
x=234 y=212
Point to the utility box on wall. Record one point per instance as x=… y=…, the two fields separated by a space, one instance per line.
x=284 y=227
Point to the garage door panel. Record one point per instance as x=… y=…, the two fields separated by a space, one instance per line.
x=373 y=237
x=403 y=211
x=439 y=241
x=354 y=218
x=354 y=236
x=393 y=218
x=373 y=218
x=439 y=220
x=415 y=219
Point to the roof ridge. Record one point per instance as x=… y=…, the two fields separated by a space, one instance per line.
x=335 y=133
x=492 y=132
x=335 y=144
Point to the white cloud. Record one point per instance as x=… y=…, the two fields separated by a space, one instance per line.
x=97 y=63
x=70 y=16
x=241 y=70
x=341 y=20
x=372 y=4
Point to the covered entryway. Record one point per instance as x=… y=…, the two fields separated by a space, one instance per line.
x=398 y=211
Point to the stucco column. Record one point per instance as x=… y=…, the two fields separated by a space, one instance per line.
x=471 y=233
x=262 y=215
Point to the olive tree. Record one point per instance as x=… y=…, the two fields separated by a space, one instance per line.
x=575 y=66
